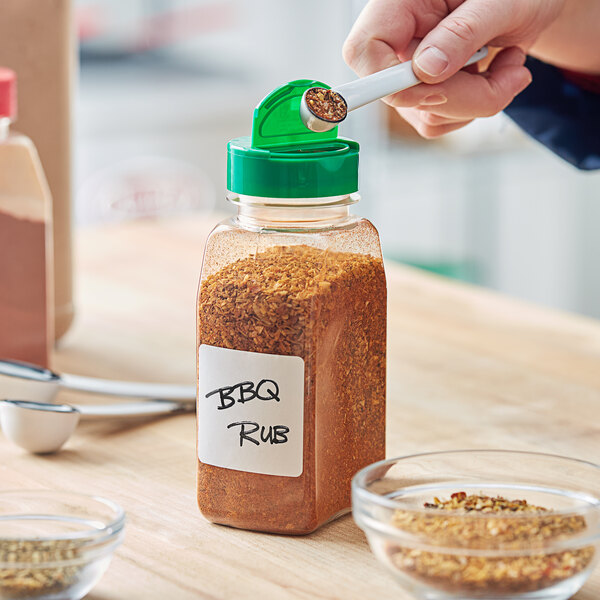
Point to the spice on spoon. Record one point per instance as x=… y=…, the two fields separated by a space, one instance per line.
x=520 y=572
x=326 y=104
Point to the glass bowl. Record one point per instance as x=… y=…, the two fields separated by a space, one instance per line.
x=55 y=545
x=471 y=524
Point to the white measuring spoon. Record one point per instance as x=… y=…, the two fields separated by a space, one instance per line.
x=23 y=380
x=362 y=91
x=42 y=428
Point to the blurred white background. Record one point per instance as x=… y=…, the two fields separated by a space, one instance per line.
x=165 y=84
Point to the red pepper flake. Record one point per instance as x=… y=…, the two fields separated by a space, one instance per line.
x=530 y=568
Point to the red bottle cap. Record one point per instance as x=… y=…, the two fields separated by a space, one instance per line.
x=8 y=93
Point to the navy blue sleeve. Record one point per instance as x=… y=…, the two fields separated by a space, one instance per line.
x=559 y=114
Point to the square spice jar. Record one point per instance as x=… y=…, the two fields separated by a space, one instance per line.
x=291 y=324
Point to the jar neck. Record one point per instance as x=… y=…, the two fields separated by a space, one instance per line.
x=4 y=128
x=293 y=213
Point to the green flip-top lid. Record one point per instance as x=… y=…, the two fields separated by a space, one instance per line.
x=284 y=159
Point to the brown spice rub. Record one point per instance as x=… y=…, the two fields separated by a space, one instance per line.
x=528 y=527
x=326 y=104
x=330 y=309
x=25 y=330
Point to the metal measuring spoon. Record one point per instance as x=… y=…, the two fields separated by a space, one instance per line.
x=37 y=425
x=23 y=380
x=362 y=91
x=43 y=428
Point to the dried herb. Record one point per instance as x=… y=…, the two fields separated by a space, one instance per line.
x=25 y=579
x=330 y=309
x=326 y=104
x=528 y=570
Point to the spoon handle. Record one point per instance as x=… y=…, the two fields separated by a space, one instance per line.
x=128 y=388
x=400 y=77
x=133 y=409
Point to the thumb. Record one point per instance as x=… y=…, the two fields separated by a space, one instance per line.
x=447 y=47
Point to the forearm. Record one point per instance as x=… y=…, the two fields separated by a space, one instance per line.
x=572 y=41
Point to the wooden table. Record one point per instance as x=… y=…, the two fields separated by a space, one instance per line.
x=467 y=368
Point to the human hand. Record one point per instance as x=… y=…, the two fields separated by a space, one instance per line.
x=440 y=36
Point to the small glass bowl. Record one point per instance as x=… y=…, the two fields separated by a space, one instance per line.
x=443 y=551
x=55 y=545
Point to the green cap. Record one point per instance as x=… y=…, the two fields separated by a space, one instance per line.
x=285 y=159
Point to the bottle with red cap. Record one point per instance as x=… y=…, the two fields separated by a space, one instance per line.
x=26 y=306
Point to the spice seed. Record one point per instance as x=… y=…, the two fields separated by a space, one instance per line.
x=30 y=581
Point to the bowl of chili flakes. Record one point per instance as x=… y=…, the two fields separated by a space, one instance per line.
x=474 y=524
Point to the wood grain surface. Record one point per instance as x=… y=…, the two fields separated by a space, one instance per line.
x=467 y=368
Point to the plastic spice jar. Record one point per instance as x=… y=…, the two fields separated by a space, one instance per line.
x=291 y=331
x=26 y=274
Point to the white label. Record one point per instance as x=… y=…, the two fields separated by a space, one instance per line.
x=250 y=411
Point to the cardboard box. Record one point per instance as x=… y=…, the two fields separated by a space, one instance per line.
x=37 y=41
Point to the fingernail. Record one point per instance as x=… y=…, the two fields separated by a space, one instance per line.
x=433 y=100
x=525 y=77
x=432 y=61
x=526 y=80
